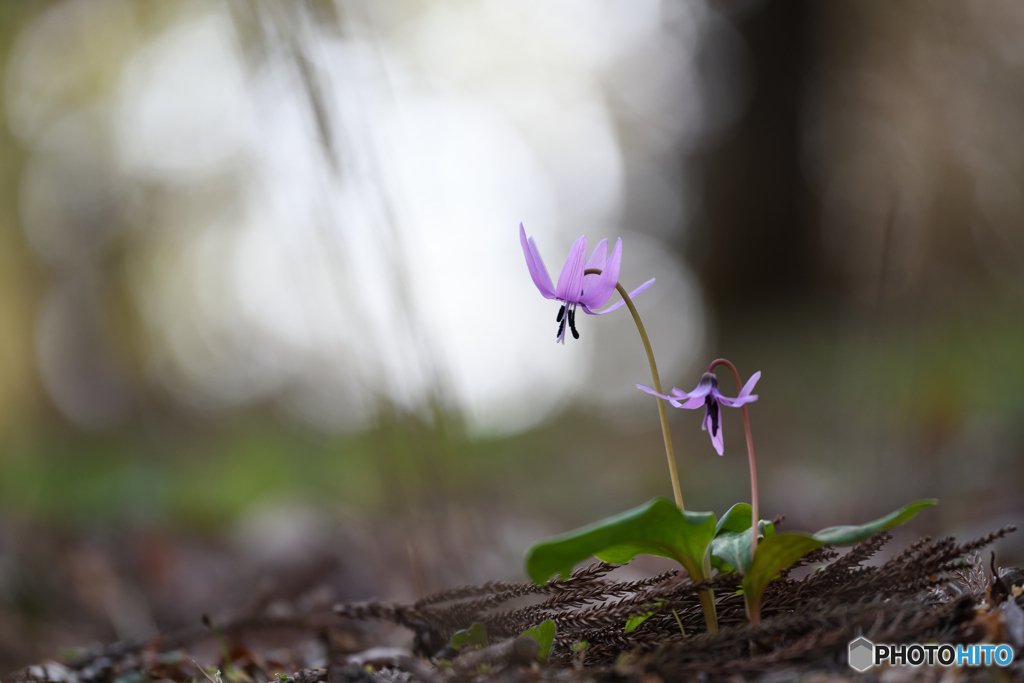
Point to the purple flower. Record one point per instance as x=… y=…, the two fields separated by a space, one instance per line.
x=708 y=394
x=574 y=288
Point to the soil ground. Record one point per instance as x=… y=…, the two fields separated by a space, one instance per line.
x=929 y=592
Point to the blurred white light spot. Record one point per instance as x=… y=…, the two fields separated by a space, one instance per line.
x=185 y=109
x=397 y=276
x=64 y=60
x=493 y=328
x=594 y=32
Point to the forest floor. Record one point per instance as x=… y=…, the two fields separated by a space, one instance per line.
x=931 y=592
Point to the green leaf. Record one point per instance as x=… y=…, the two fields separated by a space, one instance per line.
x=638 y=619
x=635 y=621
x=657 y=527
x=848 y=535
x=544 y=634
x=474 y=635
x=730 y=551
x=721 y=565
x=736 y=518
x=780 y=551
x=773 y=555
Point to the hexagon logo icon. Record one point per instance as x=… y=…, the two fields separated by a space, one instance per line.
x=862 y=654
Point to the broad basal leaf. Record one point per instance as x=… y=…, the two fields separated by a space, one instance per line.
x=778 y=552
x=772 y=556
x=730 y=551
x=848 y=535
x=736 y=518
x=657 y=527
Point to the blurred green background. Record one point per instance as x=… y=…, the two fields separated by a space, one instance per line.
x=266 y=325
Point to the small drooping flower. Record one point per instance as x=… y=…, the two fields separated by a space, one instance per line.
x=708 y=394
x=574 y=288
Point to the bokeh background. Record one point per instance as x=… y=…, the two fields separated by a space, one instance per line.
x=267 y=337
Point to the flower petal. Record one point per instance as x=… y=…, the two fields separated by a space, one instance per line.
x=738 y=401
x=675 y=398
x=717 y=441
x=538 y=271
x=621 y=302
x=596 y=260
x=693 y=402
x=744 y=396
x=749 y=386
x=597 y=288
x=704 y=387
x=716 y=438
x=600 y=255
x=570 y=280
x=652 y=392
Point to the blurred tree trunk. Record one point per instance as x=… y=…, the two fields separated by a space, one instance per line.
x=757 y=242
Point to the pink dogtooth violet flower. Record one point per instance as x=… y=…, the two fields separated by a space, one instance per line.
x=707 y=394
x=574 y=289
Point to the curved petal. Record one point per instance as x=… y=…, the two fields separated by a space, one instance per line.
x=678 y=399
x=597 y=260
x=621 y=302
x=704 y=387
x=749 y=386
x=744 y=396
x=600 y=255
x=693 y=402
x=570 y=280
x=542 y=269
x=716 y=437
x=538 y=272
x=738 y=401
x=652 y=392
x=600 y=287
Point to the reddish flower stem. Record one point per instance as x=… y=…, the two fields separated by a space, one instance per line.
x=754 y=514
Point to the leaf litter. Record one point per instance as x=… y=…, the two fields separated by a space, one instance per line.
x=932 y=591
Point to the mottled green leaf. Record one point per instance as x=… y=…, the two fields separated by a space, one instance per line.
x=848 y=535
x=772 y=556
x=736 y=518
x=730 y=551
x=657 y=527
x=778 y=552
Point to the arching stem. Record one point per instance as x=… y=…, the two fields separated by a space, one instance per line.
x=707 y=597
x=676 y=490
x=754 y=513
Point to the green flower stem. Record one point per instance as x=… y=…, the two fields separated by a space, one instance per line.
x=707 y=605
x=657 y=387
x=754 y=518
x=707 y=598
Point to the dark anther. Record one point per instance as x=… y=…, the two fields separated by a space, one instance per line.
x=561 y=329
x=712 y=407
x=572 y=323
x=561 y=312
